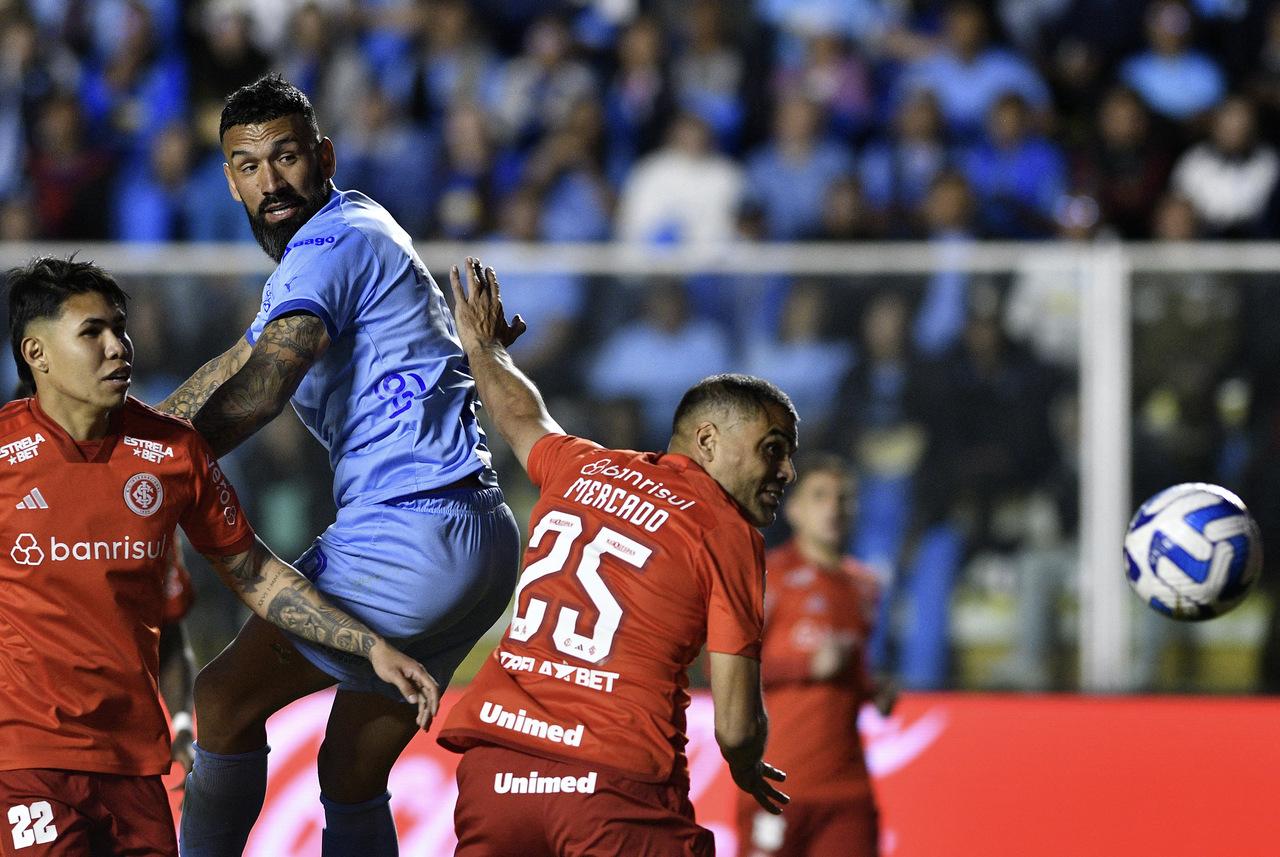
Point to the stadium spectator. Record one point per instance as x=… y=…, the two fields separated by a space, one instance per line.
x=538 y=88
x=968 y=74
x=135 y=84
x=1230 y=178
x=1016 y=175
x=450 y=64
x=818 y=613
x=70 y=176
x=846 y=216
x=1126 y=166
x=391 y=159
x=656 y=357
x=567 y=169
x=881 y=426
x=948 y=218
x=468 y=187
x=898 y=171
x=708 y=73
x=224 y=55
x=789 y=176
x=321 y=55
x=800 y=355
x=153 y=196
x=685 y=192
x=729 y=456
x=833 y=77
x=553 y=305
x=639 y=101
x=1175 y=80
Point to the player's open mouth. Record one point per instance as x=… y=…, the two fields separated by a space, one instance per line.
x=771 y=497
x=277 y=213
x=120 y=377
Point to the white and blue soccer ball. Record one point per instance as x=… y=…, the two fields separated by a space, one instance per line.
x=1192 y=551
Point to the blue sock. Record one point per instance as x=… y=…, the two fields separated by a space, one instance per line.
x=223 y=798
x=359 y=829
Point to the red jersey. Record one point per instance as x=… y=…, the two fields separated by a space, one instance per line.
x=813 y=733
x=179 y=594
x=635 y=561
x=85 y=532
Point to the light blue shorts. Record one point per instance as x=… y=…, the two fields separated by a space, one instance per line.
x=429 y=573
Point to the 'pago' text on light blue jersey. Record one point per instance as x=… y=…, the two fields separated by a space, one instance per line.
x=392 y=399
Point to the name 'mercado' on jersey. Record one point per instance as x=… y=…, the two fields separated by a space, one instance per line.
x=635 y=560
x=85 y=532
x=392 y=399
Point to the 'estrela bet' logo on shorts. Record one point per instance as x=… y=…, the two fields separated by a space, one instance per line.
x=143 y=494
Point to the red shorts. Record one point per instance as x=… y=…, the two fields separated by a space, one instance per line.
x=567 y=810
x=810 y=829
x=51 y=813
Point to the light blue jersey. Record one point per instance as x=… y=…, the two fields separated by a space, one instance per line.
x=391 y=399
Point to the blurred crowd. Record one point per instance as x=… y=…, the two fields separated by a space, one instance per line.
x=944 y=121
x=660 y=121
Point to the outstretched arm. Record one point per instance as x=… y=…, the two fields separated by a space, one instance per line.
x=196 y=390
x=279 y=593
x=258 y=391
x=742 y=728
x=512 y=400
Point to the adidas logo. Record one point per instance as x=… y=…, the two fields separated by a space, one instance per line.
x=33 y=500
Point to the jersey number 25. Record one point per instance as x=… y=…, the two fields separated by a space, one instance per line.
x=595 y=646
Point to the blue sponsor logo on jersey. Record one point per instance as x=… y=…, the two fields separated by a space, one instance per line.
x=309 y=242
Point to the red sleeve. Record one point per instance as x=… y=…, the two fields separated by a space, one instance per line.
x=214 y=522
x=552 y=451
x=734 y=558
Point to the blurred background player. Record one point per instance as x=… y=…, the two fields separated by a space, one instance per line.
x=96 y=482
x=818 y=615
x=573 y=732
x=177 y=663
x=355 y=332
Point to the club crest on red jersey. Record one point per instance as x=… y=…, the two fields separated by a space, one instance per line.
x=143 y=494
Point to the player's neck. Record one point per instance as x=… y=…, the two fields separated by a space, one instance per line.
x=817 y=553
x=81 y=421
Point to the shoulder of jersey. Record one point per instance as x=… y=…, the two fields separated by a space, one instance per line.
x=14 y=415
x=138 y=411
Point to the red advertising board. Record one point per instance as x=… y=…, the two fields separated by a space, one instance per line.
x=956 y=775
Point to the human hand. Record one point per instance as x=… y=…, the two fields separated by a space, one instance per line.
x=477 y=309
x=754 y=780
x=410 y=678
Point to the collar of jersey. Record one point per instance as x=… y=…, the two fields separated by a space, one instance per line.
x=66 y=444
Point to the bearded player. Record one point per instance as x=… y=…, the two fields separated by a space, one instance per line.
x=354 y=332
x=91 y=488
x=573 y=733
x=817 y=620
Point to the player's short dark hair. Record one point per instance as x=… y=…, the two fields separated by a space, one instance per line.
x=40 y=288
x=732 y=391
x=268 y=98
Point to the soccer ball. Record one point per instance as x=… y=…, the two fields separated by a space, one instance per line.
x=1192 y=551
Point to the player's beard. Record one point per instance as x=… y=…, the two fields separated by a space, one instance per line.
x=274 y=238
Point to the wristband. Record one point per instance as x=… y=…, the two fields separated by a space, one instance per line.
x=181 y=722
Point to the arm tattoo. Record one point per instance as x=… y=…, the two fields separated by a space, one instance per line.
x=253 y=396
x=196 y=390
x=296 y=609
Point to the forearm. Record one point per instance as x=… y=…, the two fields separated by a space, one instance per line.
x=741 y=725
x=195 y=391
x=177 y=669
x=743 y=745
x=235 y=411
x=511 y=399
x=280 y=594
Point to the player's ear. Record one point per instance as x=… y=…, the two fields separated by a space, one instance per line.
x=706 y=439
x=33 y=352
x=226 y=172
x=328 y=158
